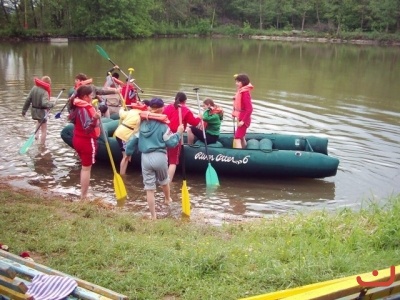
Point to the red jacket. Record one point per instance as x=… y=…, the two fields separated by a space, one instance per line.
x=173 y=116
x=247 y=109
x=82 y=117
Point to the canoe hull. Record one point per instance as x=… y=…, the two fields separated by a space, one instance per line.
x=276 y=163
x=269 y=155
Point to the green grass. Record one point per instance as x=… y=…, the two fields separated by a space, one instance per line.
x=173 y=259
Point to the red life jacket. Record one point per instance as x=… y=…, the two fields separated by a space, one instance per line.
x=131 y=94
x=78 y=129
x=43 y=85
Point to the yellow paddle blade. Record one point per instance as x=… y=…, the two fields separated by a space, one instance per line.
x=120 y=190
x=185 y=199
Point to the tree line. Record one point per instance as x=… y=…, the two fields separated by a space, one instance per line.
x=144 y=18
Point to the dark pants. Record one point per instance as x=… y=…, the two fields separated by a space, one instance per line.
x=211 y=139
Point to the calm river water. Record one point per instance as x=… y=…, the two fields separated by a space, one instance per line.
x=347 y=93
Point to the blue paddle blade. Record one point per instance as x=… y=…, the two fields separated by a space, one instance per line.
x=58 y=115
x=211 y=176
x=25 y=147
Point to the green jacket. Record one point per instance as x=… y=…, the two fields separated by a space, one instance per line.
x=39 y=99
x=213 y=123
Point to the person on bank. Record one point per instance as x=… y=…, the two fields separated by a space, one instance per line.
x=39 y=98
x=242 y=109
x=188 y=117
x=155 y=137
x=212 y=118
x=86 y=131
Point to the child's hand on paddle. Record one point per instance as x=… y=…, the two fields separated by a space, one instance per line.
x=97 y=115
x=181 y=129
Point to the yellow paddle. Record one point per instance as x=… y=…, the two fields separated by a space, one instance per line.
x=119 y=186
x=185 y=191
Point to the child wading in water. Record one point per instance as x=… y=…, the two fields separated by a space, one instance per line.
x=242 y=109
x=154 y=138
x=86 y=132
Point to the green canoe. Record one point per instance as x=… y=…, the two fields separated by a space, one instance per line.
x=266 y=155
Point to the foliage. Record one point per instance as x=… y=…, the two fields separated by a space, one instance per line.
x=143 y=18
x=173 y=259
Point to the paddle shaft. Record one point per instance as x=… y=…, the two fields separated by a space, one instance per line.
x=119 y=186
x=185 y=191
x=128 y=82
x=108 y=147
x=57 y=116
x=119 y=93
x=103 y=53
x=202 y=124
x=183 y=149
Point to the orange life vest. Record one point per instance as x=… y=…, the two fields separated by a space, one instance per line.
x=43 y=85
x=147 y=115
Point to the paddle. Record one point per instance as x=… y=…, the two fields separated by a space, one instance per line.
x=25 y=147
x=103 y=53
x=211 y=174
x=185 y=191
x=58 y=115
x=119 y=93
x=119 y=186
x=128 y=82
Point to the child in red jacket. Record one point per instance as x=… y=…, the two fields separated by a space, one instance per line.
x=172 y=113
x=242 y=109
x=86 y=132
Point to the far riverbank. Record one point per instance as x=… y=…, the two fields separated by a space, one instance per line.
x=294 y=36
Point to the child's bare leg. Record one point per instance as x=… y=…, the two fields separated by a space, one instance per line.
x=167 y=194
x=85 y=180
x=151 y=201
x=243 y=142
x=124 y=164
x=43 y=131
x=190 y=136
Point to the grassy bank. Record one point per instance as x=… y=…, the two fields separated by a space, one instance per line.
x=172 y=259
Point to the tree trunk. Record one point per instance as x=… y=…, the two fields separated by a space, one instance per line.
x=303 y=21
x=34 y=15
x=261 y=24
x=5 y=11
x=317 y=10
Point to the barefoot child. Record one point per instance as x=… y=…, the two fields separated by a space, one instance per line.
x=86 y=132
x=242 y=109
x=154 y=138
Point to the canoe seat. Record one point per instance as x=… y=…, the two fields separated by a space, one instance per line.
x=17 y=274
x=263 y=144
x=266 y=145
x=215 y=145
x=253 y=144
